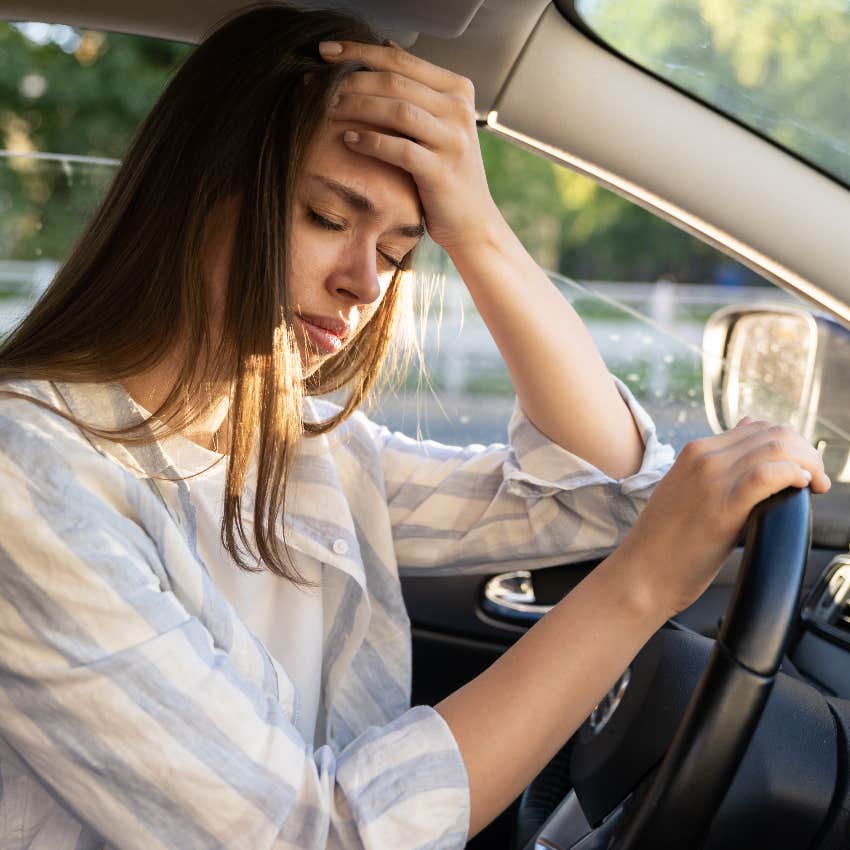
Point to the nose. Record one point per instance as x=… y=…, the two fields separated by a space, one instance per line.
x=355 y=279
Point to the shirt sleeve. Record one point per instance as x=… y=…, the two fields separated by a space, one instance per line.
x=530 y=503
x=124 y=709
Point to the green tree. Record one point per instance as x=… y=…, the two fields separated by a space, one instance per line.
x=779 y=66
x=81 y=93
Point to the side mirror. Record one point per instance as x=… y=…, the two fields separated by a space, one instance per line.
x=785 y=364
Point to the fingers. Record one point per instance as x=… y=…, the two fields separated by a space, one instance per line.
x=399 y=101
x=380 y=57
x=395 y=150
x=400 y=116
x=764 y=441
x=774 y=443
x=761 y=459
x=764 y=480
x=728 y=439
x=394 y=85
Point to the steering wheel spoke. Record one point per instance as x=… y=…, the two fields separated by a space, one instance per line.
x=568 y=829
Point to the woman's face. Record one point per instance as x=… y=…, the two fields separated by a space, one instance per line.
x=354 y=220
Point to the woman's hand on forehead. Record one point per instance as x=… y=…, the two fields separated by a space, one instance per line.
x=424 y=122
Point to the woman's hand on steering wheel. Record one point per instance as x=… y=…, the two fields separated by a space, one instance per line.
x=697 y=512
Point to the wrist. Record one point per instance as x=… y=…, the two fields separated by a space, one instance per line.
x=489 y=232
x=627 y=575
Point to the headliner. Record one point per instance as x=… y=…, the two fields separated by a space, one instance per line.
x=480 y=39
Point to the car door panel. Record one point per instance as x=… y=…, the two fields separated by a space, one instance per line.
x=455 y=637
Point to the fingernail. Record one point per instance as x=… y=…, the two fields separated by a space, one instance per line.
x=351 y=137
x=330 y=48
x=807 y=475
x=335 y=100
x=388 y=42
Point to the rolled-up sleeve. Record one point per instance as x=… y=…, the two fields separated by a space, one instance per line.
x=122 y=706
x=530 y=502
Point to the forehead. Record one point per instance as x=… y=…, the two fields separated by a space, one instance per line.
x=392 y=190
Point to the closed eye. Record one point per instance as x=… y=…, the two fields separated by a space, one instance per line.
x=396 y=264
x=326 y=223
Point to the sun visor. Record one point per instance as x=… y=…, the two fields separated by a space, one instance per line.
x=441 y=18
x=400 y=20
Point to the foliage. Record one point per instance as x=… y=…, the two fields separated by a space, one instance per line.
x=61 y=91
x=779 y=66
x=84 y=96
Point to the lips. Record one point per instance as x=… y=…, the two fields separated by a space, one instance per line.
x=335 y=326
x=325 y=333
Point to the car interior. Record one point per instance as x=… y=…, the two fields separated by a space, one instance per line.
x=732 y=727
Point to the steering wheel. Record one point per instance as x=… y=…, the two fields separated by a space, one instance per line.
x=625 y=800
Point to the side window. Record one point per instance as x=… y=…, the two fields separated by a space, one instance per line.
x=67 y=116
x=644 y=288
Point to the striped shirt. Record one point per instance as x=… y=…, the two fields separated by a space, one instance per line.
x=137 y=710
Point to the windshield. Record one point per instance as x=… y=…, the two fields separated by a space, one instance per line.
x=778 y=66
x=644 y=289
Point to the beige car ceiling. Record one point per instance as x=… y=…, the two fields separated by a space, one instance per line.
x=541 y=82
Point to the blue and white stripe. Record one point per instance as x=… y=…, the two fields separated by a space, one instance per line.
x=136 y=708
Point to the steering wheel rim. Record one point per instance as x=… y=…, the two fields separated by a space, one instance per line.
x=676 y=808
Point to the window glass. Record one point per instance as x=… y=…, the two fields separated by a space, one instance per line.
x=70 y=101
x=779 y=66
x=644 y=288
x=44 y=203
x=649 y=333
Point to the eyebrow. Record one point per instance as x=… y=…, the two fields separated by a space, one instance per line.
x=361 y=202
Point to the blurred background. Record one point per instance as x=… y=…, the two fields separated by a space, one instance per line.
x=70 y=101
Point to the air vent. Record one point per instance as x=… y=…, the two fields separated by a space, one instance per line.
x=828 y=608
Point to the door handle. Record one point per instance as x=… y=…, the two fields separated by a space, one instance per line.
x=510 y=596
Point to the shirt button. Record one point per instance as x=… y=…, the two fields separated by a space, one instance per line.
x=340 y=547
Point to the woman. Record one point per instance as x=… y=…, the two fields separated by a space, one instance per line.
x=203 y=639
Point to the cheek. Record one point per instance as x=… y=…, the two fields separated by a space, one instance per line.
x=311 y=260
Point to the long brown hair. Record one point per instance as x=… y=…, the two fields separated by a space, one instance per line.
x=235 y=121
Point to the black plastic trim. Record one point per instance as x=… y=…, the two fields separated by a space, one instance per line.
x=810 y=613
x=703 y=757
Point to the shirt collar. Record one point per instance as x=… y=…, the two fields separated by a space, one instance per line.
x=319 y=522
x=108 y=406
